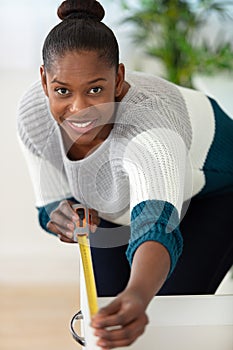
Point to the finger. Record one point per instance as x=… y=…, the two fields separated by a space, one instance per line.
x=120 y=317
x=93 y=228
x=53 y=227
x=130 y=331
x=112 y=308
x=65 y=239
x=105 y=344
x=61 y=220
x=64 y=215
x=66 y=208
x=123 y=337
x=94 y=220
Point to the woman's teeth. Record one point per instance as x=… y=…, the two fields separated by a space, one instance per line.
x=82 y=125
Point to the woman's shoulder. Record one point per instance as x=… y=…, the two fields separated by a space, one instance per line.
x=153 y=103
x=158 y=87
x=148 y=81
x=33 y=116
x=33 y=99
x=153 y=91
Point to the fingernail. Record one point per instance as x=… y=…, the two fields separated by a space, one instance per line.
x=70 y=226
x=102 y=344
x=75 y=218
x=98 y=325
x=69 y=234
x=98 y=333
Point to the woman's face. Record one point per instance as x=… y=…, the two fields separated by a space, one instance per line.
x=82 y=90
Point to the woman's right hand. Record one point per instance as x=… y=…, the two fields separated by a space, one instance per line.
x=63 y=219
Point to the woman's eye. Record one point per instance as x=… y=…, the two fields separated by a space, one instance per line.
x=95 y=90
x=62 y=91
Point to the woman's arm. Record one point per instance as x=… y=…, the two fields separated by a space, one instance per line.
x=53 y=197
x=155 y=163
x=151 y=265
x=150 y=268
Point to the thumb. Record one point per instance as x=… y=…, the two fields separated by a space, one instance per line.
x=110 y=309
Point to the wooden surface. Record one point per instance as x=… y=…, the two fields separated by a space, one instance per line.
x=37 y=317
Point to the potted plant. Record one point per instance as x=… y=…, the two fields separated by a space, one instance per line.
x=170 y=31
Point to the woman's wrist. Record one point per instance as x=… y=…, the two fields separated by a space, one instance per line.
x=150 y=267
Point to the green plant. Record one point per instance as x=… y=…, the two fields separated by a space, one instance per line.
x=170 y=30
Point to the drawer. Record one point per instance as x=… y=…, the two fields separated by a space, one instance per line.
x=203 y=322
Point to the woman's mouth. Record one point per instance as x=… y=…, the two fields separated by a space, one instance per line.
x=82 y=127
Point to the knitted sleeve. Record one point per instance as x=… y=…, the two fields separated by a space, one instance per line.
x=155 y=161
x=34 y=128
x=49 y=183
x=32 y=118
x=50 y=186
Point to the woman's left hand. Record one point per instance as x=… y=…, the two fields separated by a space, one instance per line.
x=121 y=322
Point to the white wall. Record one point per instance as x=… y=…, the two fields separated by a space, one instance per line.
x=28 y=254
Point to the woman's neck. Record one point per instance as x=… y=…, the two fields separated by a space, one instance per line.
x=77 y=151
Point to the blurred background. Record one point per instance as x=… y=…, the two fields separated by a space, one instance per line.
x=38 y=274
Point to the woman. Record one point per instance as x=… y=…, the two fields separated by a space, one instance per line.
x=152 y=160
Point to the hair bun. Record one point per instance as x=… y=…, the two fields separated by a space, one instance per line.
x=81 y=9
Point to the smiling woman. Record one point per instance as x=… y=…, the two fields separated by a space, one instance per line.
x=80 y=83
x=150 y=159
x=80 y=73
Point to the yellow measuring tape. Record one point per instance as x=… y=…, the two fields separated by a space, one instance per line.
x=81 y=234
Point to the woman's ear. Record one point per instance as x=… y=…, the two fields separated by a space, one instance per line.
x=120 y=79
x=43 y=79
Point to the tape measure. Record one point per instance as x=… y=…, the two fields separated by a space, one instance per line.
x=81 y=235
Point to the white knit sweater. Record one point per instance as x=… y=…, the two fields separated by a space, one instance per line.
x=156 y=150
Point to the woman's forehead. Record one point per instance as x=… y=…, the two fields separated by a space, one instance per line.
x=86 y=66
x=79 y=62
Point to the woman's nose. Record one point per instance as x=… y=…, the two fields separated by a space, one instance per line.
x=78 y=104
